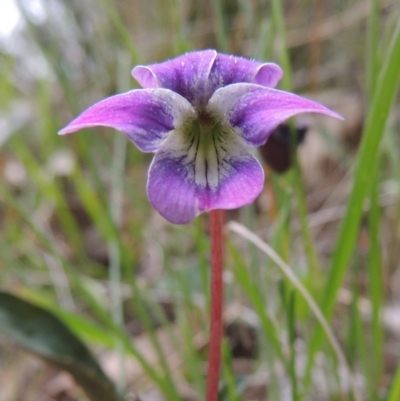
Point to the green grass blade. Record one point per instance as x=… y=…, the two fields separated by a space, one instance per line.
x=84 y=328
x=291 y=322
x=373 y=36
x=121 y=28
x=243 y=277
x=219 y=25
x=233 y=394
x=375 y=270
x=373 y=132
x=288 y=273
x=284 y=59
x=394 y=394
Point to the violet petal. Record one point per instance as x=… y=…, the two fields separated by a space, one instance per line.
x=186 y=75
x=180 y=188
x=229 y=70
x=197 y=75
x=146 y=116
x=255 y=111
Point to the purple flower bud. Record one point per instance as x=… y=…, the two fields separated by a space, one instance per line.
x=277 y=151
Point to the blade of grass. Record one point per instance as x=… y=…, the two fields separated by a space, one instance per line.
x=391 y=151
x=366 y=162
x=281 y=232
x=7 y=87
x=85 y=329
x=95 y=208
x=265 y=43
x=309 y=246
x=280 y=33
x=243 y=277
x=287 y=295
x=291 y=322
x=288 y=273
x=121 y=28
x=228 y=375
x=394 y=394
x=375 y=281
x=193 y=361
x=354 y=327
x=373 y=43
x=180 y=43
x=219 y=25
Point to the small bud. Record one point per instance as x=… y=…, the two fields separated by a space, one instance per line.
x=276 y=152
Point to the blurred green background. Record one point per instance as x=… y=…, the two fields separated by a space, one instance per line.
x=79 y=238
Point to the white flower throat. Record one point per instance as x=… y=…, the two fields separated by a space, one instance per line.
x=208 y=144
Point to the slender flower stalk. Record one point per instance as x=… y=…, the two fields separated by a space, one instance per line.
x=217 y=297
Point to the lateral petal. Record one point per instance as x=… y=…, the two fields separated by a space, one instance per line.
x=146 y=116
x=254 y=111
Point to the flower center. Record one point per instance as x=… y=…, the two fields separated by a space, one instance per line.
x=207 y=150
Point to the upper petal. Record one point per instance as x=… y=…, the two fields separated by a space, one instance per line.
x=184 y=181
x=197 y=75
x=186 y=75
x=229 y=70
x=146 y=116
x=255 y=111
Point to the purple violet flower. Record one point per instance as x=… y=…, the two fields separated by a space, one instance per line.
x=199 y=114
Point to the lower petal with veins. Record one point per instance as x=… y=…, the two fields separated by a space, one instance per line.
x=192 y=173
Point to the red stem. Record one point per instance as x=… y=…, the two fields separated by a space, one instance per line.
x=214 y=358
